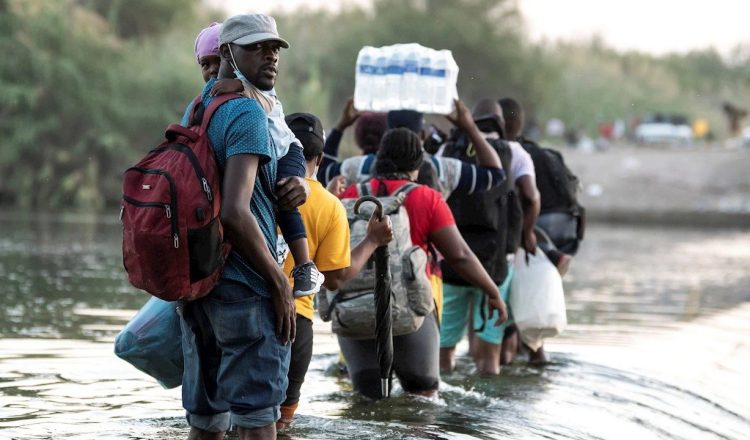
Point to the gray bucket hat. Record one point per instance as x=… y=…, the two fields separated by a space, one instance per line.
x=250 y=29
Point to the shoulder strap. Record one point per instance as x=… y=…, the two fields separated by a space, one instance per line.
x=528 y=144
x=325 y=315
x=367 y=166
x=438 y=165
x=363 y=188
x=216 y=102
x=406 y=188
x=196 y=112
x=400 y=195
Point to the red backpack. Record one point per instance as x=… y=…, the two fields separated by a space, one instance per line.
x=172 y=239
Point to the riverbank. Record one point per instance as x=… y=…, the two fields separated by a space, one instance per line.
x=701 y=186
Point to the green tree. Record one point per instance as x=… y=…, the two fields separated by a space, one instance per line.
x=484 y=35
x=78 y=103
x=142 y=18
x=90 y=84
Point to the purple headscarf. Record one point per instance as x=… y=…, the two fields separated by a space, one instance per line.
x=207 y=42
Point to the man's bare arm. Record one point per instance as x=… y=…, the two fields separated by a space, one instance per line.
x=244 y=233
x=531 y=203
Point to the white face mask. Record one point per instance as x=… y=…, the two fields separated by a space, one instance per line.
x=237 y=72
x=266 y=102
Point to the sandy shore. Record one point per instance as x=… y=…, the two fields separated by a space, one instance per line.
x=701 y=186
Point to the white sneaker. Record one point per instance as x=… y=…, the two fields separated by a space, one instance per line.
x=307 y=279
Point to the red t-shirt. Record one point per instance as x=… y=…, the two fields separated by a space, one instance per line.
x=427 y=210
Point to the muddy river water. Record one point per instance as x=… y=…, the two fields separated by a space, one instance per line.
x=658 y=346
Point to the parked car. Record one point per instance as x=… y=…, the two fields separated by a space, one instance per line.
x=664 y=129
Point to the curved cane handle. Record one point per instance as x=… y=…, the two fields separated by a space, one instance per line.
x=378 y=204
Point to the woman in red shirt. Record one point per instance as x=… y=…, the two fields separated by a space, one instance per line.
x=416 y=355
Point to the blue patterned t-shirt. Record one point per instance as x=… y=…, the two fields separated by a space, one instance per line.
x=240 y=126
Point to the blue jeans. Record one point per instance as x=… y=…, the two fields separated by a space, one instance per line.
x=235 y=366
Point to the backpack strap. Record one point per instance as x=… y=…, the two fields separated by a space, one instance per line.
x=404 y=189
x=367 y=167
x=216 y=102
x=437 y=165
x=528 y=144
x=325 y=315
x=196 y=112
x=363 y=189
x=399 y=196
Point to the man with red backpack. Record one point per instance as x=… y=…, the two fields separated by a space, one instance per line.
x=236 y=339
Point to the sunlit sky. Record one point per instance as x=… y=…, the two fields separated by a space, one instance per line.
x=655 y=26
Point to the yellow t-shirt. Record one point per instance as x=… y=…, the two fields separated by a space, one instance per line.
x=327 y=237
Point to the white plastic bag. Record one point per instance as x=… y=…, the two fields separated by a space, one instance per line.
x=537 y=301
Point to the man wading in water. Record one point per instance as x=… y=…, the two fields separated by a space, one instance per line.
x=236 y=339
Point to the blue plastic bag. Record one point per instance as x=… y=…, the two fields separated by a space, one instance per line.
x=152 y=342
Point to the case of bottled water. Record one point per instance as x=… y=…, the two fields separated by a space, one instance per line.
x=405 y=77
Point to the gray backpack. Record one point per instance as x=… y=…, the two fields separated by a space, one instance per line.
x=351 y=309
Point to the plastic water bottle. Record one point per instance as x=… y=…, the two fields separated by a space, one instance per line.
x=425 y=90
x=405 y=76
x=409 y=90
x=452 y=80
x=441 y=89
x=378 y=102
x=394 y=74
x=363 y=78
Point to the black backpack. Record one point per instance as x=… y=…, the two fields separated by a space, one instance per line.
x=515 y=219
x=561 y=216
x=481 y=218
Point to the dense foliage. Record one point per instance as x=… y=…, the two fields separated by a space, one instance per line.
x=88 y=85
x=78 y=101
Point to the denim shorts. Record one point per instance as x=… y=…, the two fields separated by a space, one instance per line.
x=235 y=365
x=456 y=301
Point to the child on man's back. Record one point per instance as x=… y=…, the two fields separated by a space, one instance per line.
x=307 y=278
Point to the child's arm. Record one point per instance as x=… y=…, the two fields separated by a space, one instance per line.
x=291 y=188
x=223 y=86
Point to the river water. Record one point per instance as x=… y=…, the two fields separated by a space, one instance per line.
x=658 y=346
